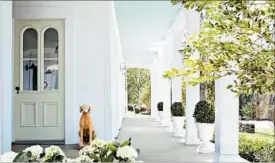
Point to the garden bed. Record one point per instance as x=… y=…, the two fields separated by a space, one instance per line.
x=98 y=151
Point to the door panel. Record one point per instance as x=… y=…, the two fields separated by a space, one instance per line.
x=39 y=77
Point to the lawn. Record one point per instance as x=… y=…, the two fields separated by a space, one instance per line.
x=265 y=131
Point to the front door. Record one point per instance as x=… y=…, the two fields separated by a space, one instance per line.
x=39 y=80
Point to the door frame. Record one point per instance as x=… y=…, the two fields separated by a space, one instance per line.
x=67 y=14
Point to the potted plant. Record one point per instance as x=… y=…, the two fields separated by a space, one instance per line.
x=160 y=110
x=204 y=115
x=178 y=113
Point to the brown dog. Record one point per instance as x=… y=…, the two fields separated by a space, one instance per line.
x=86 y=132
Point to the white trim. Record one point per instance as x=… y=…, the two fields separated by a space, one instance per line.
x=1 y=83
x=68 y=16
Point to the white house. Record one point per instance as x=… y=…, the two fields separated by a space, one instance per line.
x=58 y=55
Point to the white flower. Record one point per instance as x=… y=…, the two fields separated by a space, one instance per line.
x=83 y=158
x=36 y=150
x=86 y=150
x=8 y=156
x=52 y=150
x=127 y=152
x=98 y=143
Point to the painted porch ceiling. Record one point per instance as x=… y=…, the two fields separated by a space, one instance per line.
x=141 y=24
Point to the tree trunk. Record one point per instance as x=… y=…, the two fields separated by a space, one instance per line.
x=202 y=85
x=202 y=91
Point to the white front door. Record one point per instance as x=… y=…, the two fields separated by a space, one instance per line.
x=39 y=80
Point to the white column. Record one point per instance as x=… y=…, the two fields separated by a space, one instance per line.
x=6 y=84
x=192 y=98
x=165 y=86
x=154 y=91
x=192 y=92
x=226 y=122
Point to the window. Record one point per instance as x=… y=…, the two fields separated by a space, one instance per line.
x=50 y=59
x=34 y=63
x=30 y=60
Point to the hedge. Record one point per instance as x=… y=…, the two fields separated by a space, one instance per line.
x=256 y=147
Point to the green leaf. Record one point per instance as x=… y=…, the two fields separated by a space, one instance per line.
x=125 y=143
x=229 y=86
x=22 y=157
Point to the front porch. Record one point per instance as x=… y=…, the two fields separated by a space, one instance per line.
x=154 y=141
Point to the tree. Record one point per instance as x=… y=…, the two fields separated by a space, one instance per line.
x=137 y=80
x=236 y=38
x=146 y=96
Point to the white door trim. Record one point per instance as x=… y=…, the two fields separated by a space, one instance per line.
x=68 y=16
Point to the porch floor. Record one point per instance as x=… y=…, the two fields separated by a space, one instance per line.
x=154 y=141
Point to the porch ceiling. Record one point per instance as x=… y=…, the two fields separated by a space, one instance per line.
x=141 y=24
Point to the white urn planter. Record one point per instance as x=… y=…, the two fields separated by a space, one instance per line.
x=178 y=122
x=160 y=116
x=205 y=134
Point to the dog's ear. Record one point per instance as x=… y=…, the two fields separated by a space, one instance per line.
x=80 y=109
x=90 y=108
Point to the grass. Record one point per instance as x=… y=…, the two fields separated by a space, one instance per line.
x=255 y=136
x=259 y=136
x=265 y=131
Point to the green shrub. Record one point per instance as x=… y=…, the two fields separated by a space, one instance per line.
x=177 y=109
x=137 y=109
x=160 y=106
x=130 y=107
x=143 y=108
x=256 y=148
x=204 y=112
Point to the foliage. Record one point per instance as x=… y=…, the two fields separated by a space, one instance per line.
x=53 y=154
x=137 y=109
x=160 y=106
x=146 y=96
x=177 y=109
x=98 y=151
x=130 y=107
x=101 y=151
x=137 y=80
x=236 y=38
x=143 y=108
x=23 y=157
x=204 y=112
x=183 y=92
x=255 y=148
x=257 y=107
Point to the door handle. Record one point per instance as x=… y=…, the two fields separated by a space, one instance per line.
x=17 y=89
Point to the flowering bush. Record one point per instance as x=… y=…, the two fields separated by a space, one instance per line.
x=127 y=154
x=54 y=154
x=35 y=151
x=98 y=151
x=8 y=156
